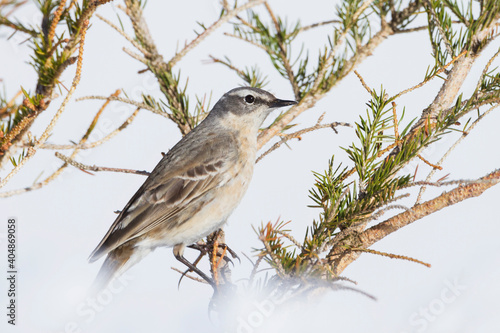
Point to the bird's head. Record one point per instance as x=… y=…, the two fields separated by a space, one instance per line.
x=248 y=106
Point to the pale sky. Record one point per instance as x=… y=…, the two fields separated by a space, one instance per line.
x=60 y=224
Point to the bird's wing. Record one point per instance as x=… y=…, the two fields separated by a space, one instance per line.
x=173 y=187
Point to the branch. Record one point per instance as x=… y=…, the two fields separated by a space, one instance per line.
x=341 y=258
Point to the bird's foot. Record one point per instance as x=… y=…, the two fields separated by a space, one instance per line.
x=205 y=248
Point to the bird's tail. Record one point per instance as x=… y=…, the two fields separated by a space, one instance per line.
x=116 y=263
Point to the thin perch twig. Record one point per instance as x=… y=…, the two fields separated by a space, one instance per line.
x=98 y=168
x=287 y=137
x=128 y=101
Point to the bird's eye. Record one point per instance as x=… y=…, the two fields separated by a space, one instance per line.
x=249 y=99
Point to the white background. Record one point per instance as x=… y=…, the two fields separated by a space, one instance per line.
x=60 y=224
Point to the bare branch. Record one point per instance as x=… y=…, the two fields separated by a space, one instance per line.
x=298 y=134
x=189 y=276
x=392 y=256
x=98 y=168
x=128 y=101
x=136 y=56
x=319 y=24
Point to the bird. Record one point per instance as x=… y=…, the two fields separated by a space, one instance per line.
x=193 y=189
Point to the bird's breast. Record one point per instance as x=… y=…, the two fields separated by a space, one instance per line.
x=215 y=207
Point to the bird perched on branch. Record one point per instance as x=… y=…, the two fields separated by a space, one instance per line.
x=193 y=189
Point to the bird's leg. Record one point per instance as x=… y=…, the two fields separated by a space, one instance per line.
x=204 y=248
x=189 y=269
x=178 y=253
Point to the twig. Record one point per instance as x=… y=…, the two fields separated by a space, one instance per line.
x=442 y=69
x=447 y=183
x=390 y=255
x=98 y=168
x=379 y=154
x=340 y=41
x=448 y=152
x=55 y=20
x=229 y=15
x=424 y=27
x=283 y=53
x=290 y=238
x=276 y=261
x=5 y=110
x=136 y=56
x=77 y=147
x=121 y=32
x=95 y=143
x=254 y=269
x=269 y=251
x=485 y=71
x=383 y=210
x=5 y=21
x=55 y=118
x=404 y=31
x=342 y=259
x=333 y=211
x=329 y=218
x=189 y=276
x=311 y=99
x=429 y=163
x=128 y=101
x=251 y=42
x=319 y=24
x=395 y=120
x=227 y=64
x=363 y=82
x=298 y=134
x=44 y=88
x=447 y=43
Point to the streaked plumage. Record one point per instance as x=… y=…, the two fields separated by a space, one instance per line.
x=194 y=188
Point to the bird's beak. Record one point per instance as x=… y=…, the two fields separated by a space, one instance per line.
x=279 y=103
